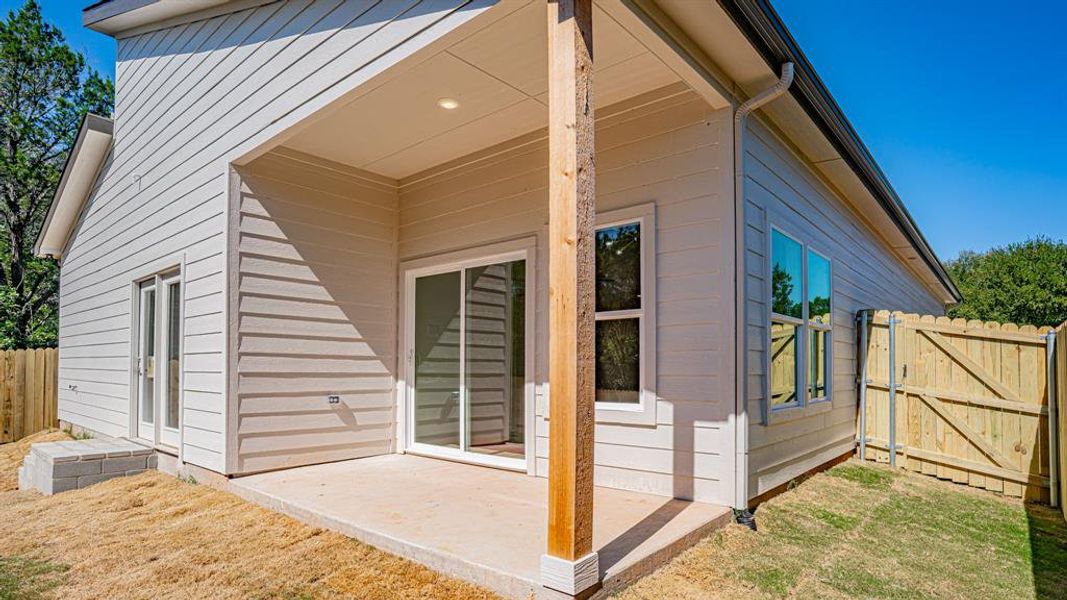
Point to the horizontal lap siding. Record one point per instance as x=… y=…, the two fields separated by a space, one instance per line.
x=316 y=313
x=669 y=151
x=783 y=191
x=190 y=98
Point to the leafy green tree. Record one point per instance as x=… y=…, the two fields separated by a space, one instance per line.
x=45 y=90
x=782 y=287
x=1023 y=283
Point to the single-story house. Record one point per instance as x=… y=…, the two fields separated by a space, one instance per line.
x=326 y=230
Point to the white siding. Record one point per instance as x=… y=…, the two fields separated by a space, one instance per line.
x=782 y=190
x=665 y=148
x=189 y=99
x=316 y=313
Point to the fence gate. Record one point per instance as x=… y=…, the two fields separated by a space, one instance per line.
x=961 y=400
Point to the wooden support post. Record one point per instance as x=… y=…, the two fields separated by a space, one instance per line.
x=570 y=564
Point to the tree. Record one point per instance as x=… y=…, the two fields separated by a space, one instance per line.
x=45 y=90
x=1023 y=283
x=782 y=287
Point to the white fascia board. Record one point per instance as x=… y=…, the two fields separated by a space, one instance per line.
x=79 y=175
x=119 y=18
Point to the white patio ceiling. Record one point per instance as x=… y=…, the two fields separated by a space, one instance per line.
x=499 y=76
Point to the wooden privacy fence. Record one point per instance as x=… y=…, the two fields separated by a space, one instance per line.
x=28 y=392
x=966 y=401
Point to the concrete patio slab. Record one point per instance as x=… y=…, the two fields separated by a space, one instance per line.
x=483 y=525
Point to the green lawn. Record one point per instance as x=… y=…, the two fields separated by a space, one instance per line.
x=29 y=579
x=862 y=531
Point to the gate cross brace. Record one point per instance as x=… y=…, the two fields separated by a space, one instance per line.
x=969 y=434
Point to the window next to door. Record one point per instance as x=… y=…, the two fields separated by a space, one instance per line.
x=799 y=362
x=625 y=315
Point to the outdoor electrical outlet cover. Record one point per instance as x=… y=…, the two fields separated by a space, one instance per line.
x=332 y=399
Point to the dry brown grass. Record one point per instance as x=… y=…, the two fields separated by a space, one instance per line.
x=153 y=536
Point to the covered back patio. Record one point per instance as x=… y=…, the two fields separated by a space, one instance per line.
x=483 y=525
x=424 y=256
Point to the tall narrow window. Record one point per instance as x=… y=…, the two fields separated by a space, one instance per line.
x=619 y=309
x=174 y=344
x=147 y=360
x=787 y=319
x=819 y=325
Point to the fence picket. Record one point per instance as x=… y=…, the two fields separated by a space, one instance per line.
x=1032 y=389
x=28 y=392
x=1061 y=404
x=994 y=419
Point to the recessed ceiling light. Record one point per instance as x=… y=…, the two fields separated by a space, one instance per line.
x=448 y=103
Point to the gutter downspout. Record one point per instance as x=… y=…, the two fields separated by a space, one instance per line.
x=741 y=496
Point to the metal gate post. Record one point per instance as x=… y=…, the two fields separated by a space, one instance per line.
x=863 y=381
x=1053 y=420
x=892 y=390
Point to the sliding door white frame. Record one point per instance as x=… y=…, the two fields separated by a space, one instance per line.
x=524 y=250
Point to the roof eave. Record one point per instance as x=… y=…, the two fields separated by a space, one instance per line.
x=113 y=17
x=761 y=24
x=79 y=176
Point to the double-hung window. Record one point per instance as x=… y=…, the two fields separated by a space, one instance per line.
x=625 y=373
x=801 y=326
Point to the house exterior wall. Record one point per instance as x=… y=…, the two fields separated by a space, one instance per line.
x=781 y=190
x=666 y=148
x=190 y=99
x=315 y=292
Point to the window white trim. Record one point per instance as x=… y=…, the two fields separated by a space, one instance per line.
x=160 y=272
x=804 y=326
x=642 y=412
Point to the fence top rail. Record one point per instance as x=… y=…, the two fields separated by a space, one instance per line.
x=1023 y=334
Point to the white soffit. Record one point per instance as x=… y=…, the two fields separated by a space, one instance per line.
x=79 y=175
x=499 y=76
x=115 y=16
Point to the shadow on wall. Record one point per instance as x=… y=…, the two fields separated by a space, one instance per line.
x=317 y=314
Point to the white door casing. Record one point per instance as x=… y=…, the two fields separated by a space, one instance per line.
x=461 y=263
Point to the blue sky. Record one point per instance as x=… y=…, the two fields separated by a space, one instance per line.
x=961 y=102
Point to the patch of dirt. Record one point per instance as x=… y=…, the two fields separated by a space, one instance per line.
x=153 y=536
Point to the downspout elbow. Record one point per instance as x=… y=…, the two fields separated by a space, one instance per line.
x=780 y=87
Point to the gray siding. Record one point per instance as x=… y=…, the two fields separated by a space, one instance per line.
x=782 y=190
x=666 y=148
x=316 y=293
x=189 y=100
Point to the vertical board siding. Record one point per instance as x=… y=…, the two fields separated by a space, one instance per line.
x=667 y=148
x=782 y=190
x=189 y=98
x=316 y=296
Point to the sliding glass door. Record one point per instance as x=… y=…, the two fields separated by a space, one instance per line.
x=468 y=362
